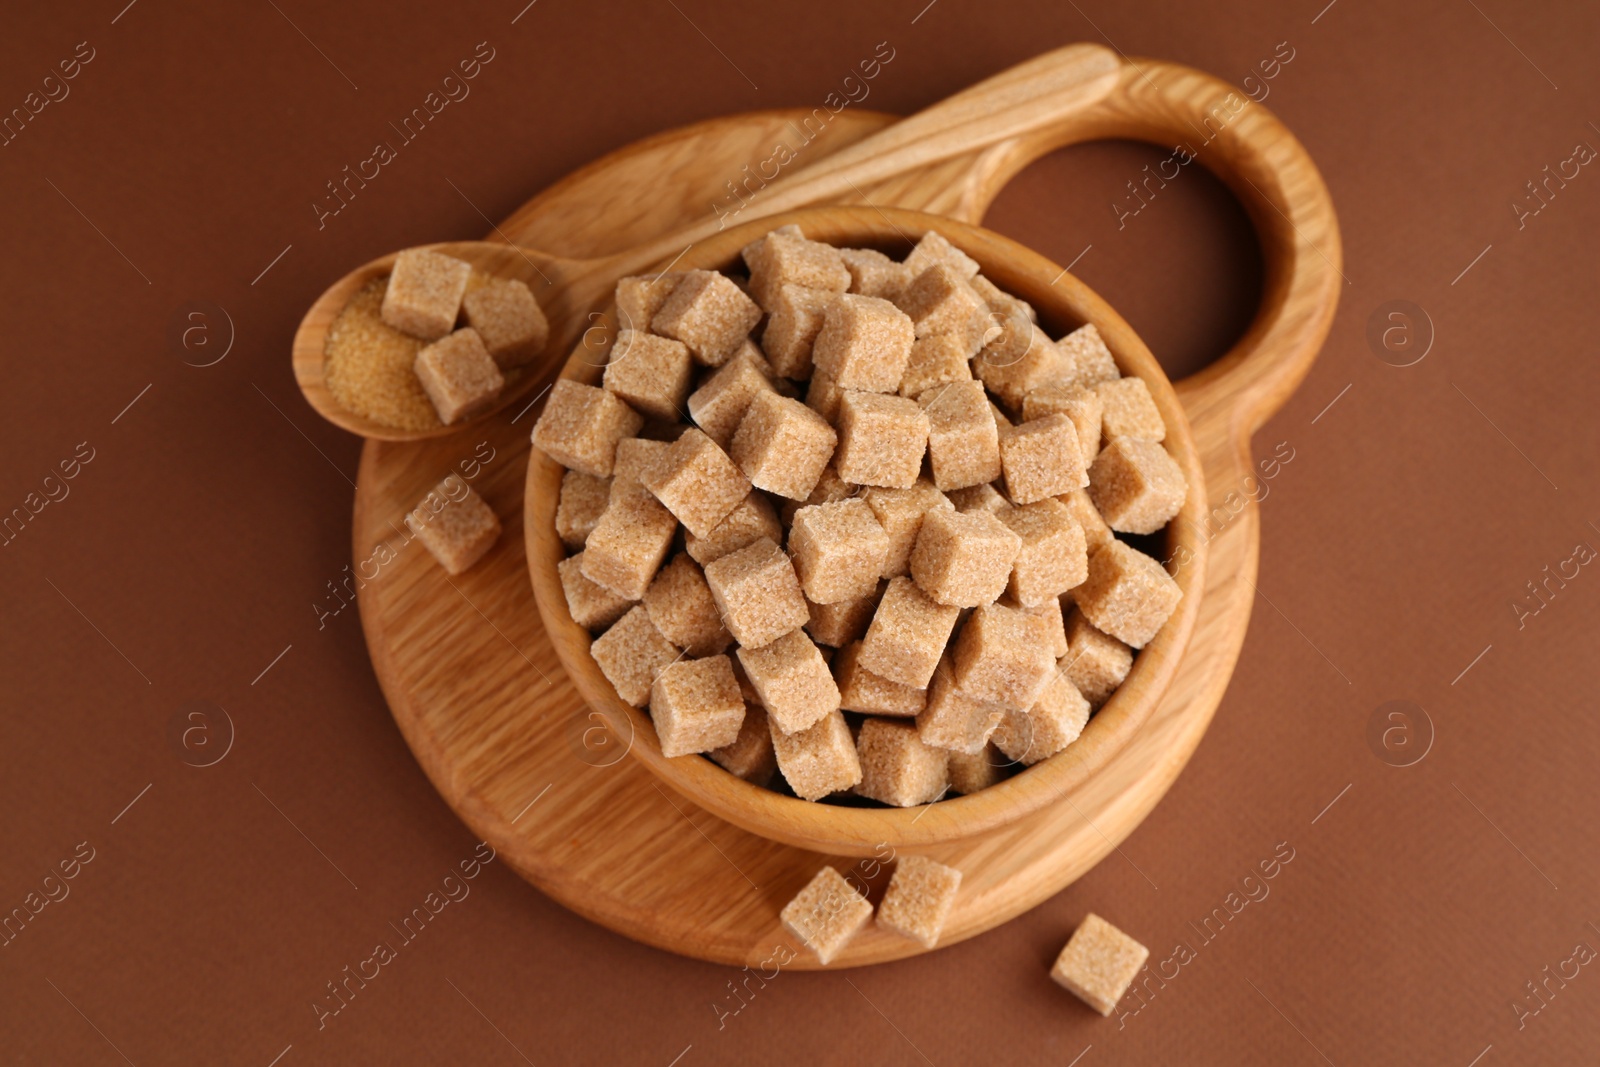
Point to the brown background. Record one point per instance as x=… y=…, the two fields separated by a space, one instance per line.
x=191 y=549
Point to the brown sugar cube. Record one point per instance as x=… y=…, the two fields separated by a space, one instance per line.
x=1053 y=723
x=823 y=395
x=696 y=706
x=641 y=296
x=454 y=524
x=721 y=401
x=582 y=500
x=1050 y=611
x=750 y=755
x=838 y=550
x=826 y=914
x=881 y=439
x=424 y=293
x=865 y=343
x=1089 y=361
x=919 y=898
x=861 y=690
x=1042 y=458
x=750 y=520
x=953 y=720
x=973 y=772
x=1095 y=531
x=963 y=438
x=874 y=274
x=509 y=319
x=782 y=445
x=964 y=560
x=1082 y=406
x=1098 y=964
x=939 y=301
x=782 y=259
x=1127 y=594
x=908 y=634
x=631 y=654
x=792 y=679
x=897 y=767
x=757 y=592
x=628 y=544
x=844 y=621
x=999 y=300
x=697 y=482
x=934 y=248
x=1053 y=557
x=1096 y=663
x=1018 y=362
x=1136 y=486
x=1003 y=657
x=900 y=512
x=935 y=361
x=983 y=497
x=1128 y=410
x=459 y=375
x=581 y=425
x=592 y=606
x=651 y=373
x=829 y=488
x=709 y=313
x=818 y=760
x=635 y=455
x=680 y=604
x=795 y=319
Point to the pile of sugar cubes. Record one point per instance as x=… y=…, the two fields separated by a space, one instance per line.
x=926 y=541
x=462 y=370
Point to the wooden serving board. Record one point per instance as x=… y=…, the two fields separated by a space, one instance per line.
x=483 y=702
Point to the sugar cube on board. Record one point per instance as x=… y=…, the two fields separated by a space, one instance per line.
x=918 y=901
x=826 y=914
x=454 y=524
x=424 y=293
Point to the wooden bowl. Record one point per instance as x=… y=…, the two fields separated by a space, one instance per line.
x=1062 y=303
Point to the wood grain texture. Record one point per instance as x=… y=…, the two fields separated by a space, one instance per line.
x=478 y=691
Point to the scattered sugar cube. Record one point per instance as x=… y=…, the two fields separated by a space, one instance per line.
x=581 y=425
x=1003 y=657
x=750 y=755
x=861 y=690
x=823 y=395
x=1053 y=557
x=752 y=519
x=782 y=445
x=680 y=604
x=838 y=550
x=459 y=375
x=628 y=544
x=1042 y=458
x=1128 y=410
x=1018 y=362
x=839 y=623
x=964 y=559
x=953 y=720
x=509 y=319
x=641 y=296
x=696 y=706
x=1089 y=361
x=1095 y=531
x=818 y=760
x=973 y=772
x=900 y=512
x=979 y=498
x=697 y=482
x=1053 y=723
x=1136 y=485
x=1082 y=406
x=934 y=248
x=635 y=455
x=907 y=635
x=1098 y=964
x=881 y=439
x=919 y=898
x=792 y=679
x=782 y=259
x=757 y=592
x=897 y=767
x=582 y=501
x=1127 y=594
x=454 y=524
x=631 y=654
x=424 y=293
x=939 y=301
x=874 y=274
x=722 y=399
x=935 y=361
x=865 y=343
x=795 y=319
x=963 y=438
x=651 y=373
x=709 y=313
x=826 y=914
x=1096 y=663
x=592 y=606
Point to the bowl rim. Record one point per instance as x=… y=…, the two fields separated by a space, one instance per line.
x=1062 y=302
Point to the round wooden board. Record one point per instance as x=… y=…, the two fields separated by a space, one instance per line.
x=477 y=691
